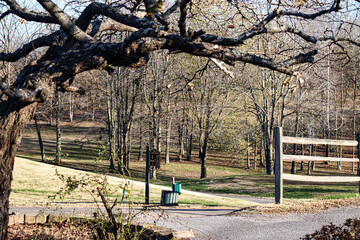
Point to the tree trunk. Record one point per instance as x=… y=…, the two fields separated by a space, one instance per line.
x=205 y=143
x=71 y=108
x=302 y=162
x=124 y=152
x=110 y=121
x=141 y=140
x=13 y=118
x=168 y=138
x=262 y=153
x=92 y=109
x=41 y=144
x=255 y=153
x=354 y=118
x=248 y=152
x=141 y=127
x=268 y=160
x=58 y=129
x=203 y=159
x=190 y=146
x=181 y=125
x=128 y=153
x=268 y=148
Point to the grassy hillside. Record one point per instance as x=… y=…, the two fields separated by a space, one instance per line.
x=82 y=148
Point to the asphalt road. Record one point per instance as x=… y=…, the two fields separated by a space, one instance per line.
x=246 y=227
x=217 y=224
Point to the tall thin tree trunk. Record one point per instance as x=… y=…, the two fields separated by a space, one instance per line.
x=203 y=160
x=141 y=140
x=155 y=125
x=310 y=154
x=58 y=129
x=248 y=152
x=168 y=138
x=141 y=126
x=203 y=157
x=268 y=149
x=41 y=144
x=190 y=147
x=110 y=121
x=327 y=153
x=354 y=118
x=313 y=167
x=71 y=108
x=92 y=109
x=262 y=153
x=181 y=126
x=255 y=153
x=168 y=129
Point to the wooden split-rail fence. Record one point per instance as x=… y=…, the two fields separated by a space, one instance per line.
x=280 y=158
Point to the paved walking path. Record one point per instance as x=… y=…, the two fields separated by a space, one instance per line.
x=217 y=224
x=252 y=227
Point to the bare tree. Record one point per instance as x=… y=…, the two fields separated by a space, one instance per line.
x=127 y=90
x=76 y=47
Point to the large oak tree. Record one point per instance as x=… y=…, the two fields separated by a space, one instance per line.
x=78 y=46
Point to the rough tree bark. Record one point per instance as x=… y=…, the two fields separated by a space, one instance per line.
x=13 y=118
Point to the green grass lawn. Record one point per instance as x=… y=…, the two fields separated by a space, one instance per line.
x=226 y=174
x=39 y=184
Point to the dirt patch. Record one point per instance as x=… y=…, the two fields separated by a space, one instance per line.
x=84 y=229
x=298 y=206
x=59 y=230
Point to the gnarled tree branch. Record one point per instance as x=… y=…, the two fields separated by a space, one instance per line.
x=65 y=21
x=23 y=95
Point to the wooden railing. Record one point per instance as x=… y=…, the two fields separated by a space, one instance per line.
x=280 y=157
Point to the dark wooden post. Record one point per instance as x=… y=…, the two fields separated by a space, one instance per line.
x=278 y=164
x=147 y=175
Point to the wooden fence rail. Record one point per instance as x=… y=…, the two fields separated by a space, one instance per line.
x=280 y=157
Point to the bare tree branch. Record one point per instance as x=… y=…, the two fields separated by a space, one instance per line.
x=182 y=20
x=147 y=36
x=5 y=14
x=29 y=47
x=65 y=21
x=65 y=87
x=222 y=67
x=109 y=11
x=29 y=15
x=172 y=9
x=23 y=95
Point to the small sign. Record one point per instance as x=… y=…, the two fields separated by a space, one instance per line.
x=155 y=158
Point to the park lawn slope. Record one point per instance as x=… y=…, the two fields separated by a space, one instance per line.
x=40 y=184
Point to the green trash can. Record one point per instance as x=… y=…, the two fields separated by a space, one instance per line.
x=177 y=188
x=169 y=198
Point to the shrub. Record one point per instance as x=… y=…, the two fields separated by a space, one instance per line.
x=349 y=230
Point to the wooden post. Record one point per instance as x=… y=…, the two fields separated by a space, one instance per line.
x=278 y=164
x=147 y=175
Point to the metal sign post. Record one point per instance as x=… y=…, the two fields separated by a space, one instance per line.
x=155 y=158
